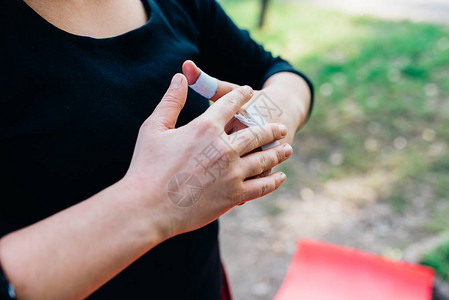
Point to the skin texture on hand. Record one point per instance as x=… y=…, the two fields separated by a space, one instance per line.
x=229 y=186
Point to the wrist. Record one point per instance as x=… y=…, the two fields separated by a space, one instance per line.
x=289 y=114
x=151 y=209
x=292 y=93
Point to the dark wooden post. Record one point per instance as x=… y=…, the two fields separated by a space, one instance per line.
x=263 y=12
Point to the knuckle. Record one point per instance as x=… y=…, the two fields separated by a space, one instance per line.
x=205 y=129
x=208 y=124
x=242 y=92
x=263 y=163
x=237 y=174
x=228 y=152
x=170 y=100
x=276 y=132
x=227 y=155
x=257 y=140
x=237 y=197
x=266 y=188
x=249 y=166
x=232 y=103
x=280 y=155
x=254 y=168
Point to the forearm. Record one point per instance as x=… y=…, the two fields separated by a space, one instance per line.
x=72 y=253
x=292 y=94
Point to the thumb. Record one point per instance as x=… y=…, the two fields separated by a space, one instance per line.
x=167 y=111
x=192 y=73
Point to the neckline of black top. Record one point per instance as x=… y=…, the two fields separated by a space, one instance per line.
x=132 y=34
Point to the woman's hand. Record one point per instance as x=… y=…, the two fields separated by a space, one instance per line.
x=178 y=180
x=193 y=174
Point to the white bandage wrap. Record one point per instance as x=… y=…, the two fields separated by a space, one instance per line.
x=255 y=119
x=205 y=85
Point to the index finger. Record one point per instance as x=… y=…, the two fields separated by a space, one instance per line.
x=227 y=106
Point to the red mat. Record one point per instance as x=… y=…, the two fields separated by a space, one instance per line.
x=321 y=271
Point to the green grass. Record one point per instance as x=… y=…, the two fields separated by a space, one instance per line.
x=382 y=95
x=438 y=259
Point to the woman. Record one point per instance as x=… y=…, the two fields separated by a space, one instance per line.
x=87 y=210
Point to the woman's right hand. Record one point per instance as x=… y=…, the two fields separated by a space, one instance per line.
x=165 y=192
x=187 y=177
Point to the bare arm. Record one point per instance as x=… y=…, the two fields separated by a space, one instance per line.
x=72 y=253
x=292 y=94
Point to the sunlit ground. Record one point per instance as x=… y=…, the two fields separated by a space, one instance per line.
x=378 y=137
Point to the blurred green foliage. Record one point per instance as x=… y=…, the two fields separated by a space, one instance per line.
x=382 y=96
x=438 y=259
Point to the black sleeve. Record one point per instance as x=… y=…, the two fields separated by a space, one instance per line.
x=6 y=289
x=229 y=53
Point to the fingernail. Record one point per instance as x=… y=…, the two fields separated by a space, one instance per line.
x=283 y=176
x=283 y=129
x=248 y=89
x=287 y=150
x=176 y=81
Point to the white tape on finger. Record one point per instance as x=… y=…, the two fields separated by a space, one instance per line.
x=254 y=118
x=205 y=85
